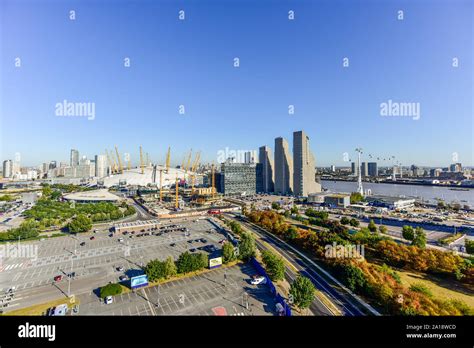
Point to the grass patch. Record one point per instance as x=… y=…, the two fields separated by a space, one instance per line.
x=419 y=281
x=40 y=309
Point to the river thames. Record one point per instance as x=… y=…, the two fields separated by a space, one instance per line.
x=427 y=193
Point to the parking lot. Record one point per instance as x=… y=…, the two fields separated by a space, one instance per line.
x=97 y=261
x=211 y=293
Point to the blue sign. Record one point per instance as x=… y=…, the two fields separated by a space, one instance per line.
x=139 y=281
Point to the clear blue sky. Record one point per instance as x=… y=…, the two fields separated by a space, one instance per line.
x=282 y=62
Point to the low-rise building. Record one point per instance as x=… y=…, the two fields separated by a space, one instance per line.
x=338 y=200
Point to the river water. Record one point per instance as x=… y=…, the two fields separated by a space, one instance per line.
x=427 y=193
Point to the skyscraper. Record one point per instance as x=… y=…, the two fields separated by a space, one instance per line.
x=304 y=164
x=373 y=170
x=100 y=166
x=265 y=158
x=7 y=168
x=74 y=159
x=364 y=169
x=283 y=167
x=354 y=169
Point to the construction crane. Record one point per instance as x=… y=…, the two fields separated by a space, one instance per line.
x=193 y=170
x=189 y=160
x=176 y=203
x=119 y=160
x=168 y=157
x=141 y=160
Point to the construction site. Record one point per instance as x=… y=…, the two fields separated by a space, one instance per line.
x=164 y=191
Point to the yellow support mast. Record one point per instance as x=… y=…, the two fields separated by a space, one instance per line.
x=119 y=160
x=168 y=158
x=161 y=184
x=115 y=170
x=141 y=160
x=176 y=203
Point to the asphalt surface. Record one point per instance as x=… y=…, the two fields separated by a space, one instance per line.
x=338 y=296
x=206 y=294
x=94 y=263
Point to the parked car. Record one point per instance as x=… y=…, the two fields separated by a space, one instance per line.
x=92 y=238
x=58 y=278
x=120 y=268
x=173 y=244
x=123 y=278
x=109 y=300
x=192 y=250
x=82 y=244
x=120 y=240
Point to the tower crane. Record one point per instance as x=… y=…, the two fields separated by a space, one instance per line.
x=193 y=170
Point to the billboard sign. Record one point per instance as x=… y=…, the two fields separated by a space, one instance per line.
x=139 y=281
x=215 y=262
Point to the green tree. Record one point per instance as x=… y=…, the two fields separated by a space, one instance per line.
x=372 y=227
x=55 y=195
x=354 y=223
x=408 y=233
x=294 y=210
x=302 y=292
x=469 y=244
x=274 y=265
x=228 y=252
x=382 y=229
x=155 y=270
x=291 y=233
x=184 y=263
x=344 y=220
x=46 y=190
x=80 y=223
x=110 y=290
x=356 y=197
x=419 y=238
x=247 y=248
x=276 y=206
x=169 y=267
x=354 y=278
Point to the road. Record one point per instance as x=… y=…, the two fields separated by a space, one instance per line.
x=346 y=303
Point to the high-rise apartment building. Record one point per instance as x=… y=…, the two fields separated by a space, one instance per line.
x=372 y=168
x=283 y=167
x=304 y=166
x=100 y=166
x=364 y=169
x=265 y=158
x=7 y=168
x=74 y=159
